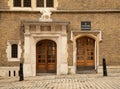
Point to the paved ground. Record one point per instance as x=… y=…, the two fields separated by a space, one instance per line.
x=79 y=81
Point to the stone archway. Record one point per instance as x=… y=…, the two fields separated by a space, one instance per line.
x=96 y=35
x=55 y=32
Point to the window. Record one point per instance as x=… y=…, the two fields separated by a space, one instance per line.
x=85 y=25
x=17 y=3
x=14 y=51
x=40 y=3
x=22 y=3
x=45 y=3
x=33 y=5
x=27 y=3
x=49 y=3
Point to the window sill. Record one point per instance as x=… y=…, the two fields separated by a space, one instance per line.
x=21 y=9
x=39 y=8
x=30 y=9
x=14 y=59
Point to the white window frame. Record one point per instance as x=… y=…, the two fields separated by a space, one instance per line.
x=55 y=4
x=20 y=8
x=22 y=4
x=33 y=6
x=45 y=4
x=9 y=50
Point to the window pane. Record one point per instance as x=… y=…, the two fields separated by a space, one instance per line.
x=49 y=3
x=40 y=3
x=27 y=3
x=14 y=51
x=17 y=3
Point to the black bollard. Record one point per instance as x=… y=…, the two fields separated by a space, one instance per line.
x=104 y=67
x=21 y=72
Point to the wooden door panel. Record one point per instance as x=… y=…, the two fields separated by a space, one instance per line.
x=90 y=64
x=41 y=68
x=51 y=66
x=80 y=64
x=85 y=53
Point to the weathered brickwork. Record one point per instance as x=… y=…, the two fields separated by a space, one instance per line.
x=88 y=4
x=4 y=4
x=108 y=23
x=77 y=4
x=11 y=29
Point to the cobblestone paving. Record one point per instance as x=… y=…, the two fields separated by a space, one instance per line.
x=62 y=82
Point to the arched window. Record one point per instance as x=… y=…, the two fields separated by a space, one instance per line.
x=14 y=51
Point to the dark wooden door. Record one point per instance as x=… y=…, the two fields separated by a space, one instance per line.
x=85 y=53
x=46 y=56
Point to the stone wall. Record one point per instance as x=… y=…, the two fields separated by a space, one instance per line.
x=9 y=71
x=108 y=23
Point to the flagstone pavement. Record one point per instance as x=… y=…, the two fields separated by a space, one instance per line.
x=77 y=81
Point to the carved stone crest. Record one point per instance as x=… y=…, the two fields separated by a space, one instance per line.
x=46 y=15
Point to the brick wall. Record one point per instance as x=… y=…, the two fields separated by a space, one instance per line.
x=4 y=4
x=78 y=4
x=88 y=4
x=108 y=23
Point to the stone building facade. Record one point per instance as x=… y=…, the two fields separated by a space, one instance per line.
x=60 y=36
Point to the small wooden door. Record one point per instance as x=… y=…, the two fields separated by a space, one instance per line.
x=85 y=53
x=46 y=56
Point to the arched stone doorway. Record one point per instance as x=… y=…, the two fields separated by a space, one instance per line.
x=85 y=54
x=35 y=34
x=46 y=56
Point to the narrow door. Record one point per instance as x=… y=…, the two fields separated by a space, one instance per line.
x=46 y=56
x=85 y=54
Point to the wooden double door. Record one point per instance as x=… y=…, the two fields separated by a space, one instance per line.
x=46 y=57
x=85 y=54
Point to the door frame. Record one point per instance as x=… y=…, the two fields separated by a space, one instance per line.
x=90 y=35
